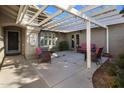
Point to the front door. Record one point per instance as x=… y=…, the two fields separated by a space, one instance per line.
x=75 y=40
x=12 y=42
x=72 y=41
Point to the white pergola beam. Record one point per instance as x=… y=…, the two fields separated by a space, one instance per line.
x=38 y=13
x=88 y=8
x=49 y=18
x=109 y=14
x=19 y=13
x=97 y=17
x=105 y=17
x=23 y=13
x=53 y=23
x=76 y=13
x=74 y=23
x=60 y=20
x=102 y=11
x=65 y=22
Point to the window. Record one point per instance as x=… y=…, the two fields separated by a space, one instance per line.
x=47 y=38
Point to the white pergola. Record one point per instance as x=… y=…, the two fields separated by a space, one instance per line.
x=74 y=21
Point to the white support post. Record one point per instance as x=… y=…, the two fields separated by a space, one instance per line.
x=107 y=40
x=88 y=41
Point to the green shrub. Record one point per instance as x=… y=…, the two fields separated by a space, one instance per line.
x=63 y=45
x=113 y=83
x=112 y=70
x=121 y=56
x=120 y=79
x=120 y=63
x=116 y=70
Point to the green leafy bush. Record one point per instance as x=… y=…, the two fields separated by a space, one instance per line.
x=117 y=71
x=120 y=63
x=112 y=70
x=63 y=45
x=120 y=79
x=121 y=56
x=113 y=83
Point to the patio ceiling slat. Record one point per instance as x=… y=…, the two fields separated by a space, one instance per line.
x=70 y=24
x=81 y=11
x=88 y=8
x=49 y=18
x=69 y=8
x=76 y=27
x=64 y=22
x=76 y=13
x=112 y=15
x=38 y=13
x=23 y=13
x=54 y=23
x=19 y=13
x=104 y=10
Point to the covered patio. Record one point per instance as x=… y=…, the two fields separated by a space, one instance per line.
x=67 y=68
x=72 y=20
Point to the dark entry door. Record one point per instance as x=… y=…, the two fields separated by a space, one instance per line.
x=13 y=41
x=72 y=41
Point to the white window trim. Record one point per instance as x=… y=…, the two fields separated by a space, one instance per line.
x=48 y=39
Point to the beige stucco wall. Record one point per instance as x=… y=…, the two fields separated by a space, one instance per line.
x=31 y=42
x=116 y=38
x=4 y=19
x=1 y=45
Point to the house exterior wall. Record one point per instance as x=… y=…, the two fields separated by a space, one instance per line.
x=4 y=19
x=1 y=45
x=31 y=42
x=98 y=36
x=81 y=35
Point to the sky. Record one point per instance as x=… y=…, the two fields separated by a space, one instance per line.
x=51 y=9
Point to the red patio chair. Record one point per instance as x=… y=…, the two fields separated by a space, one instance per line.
x=95 y=56
x=38 y=52
x=82 y=48
x=43 y=56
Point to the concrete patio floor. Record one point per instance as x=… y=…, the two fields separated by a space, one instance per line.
x=19 y=74
x=68 y=70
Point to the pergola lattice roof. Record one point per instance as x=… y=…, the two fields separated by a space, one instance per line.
x=71 y=18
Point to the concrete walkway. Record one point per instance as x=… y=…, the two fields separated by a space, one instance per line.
x=68 y=70
x=19 y=74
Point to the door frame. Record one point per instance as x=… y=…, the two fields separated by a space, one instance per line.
x=75 y=40
x=6 y=42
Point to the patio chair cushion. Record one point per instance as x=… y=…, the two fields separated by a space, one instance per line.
x=45 y=56
x=83 y=47
x=38 y=51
